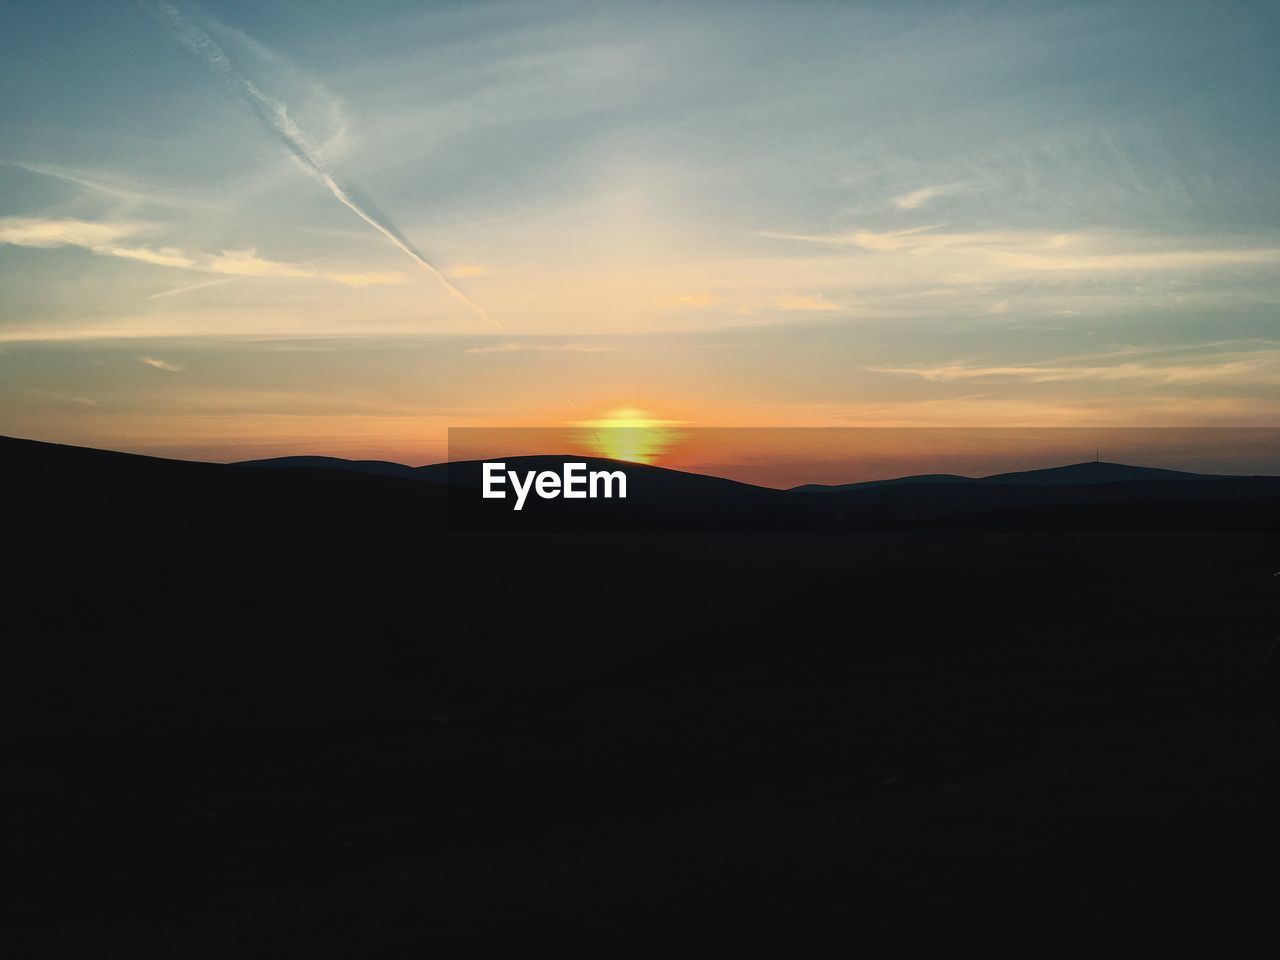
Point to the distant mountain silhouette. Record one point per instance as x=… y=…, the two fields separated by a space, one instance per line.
x=1103 y=496
x=385 y=468
x=1097 y=495
x=467 y=473
x=1089 y=472
x=892 y=482
x=1095 y=471
x=640 y=476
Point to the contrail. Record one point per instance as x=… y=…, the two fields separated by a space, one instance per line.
x=187 y=289
x=275 y=116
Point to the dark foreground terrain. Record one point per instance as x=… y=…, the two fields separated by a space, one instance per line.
x=286 y=712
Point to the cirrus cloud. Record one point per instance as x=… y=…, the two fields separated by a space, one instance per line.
x=105 y=239
x=516 y=346
x=1214 y=364
x=805 y=303
x=916 y=199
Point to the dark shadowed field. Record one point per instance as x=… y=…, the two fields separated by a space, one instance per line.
x=319 y=712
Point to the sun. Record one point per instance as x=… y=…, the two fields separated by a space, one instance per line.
x=629 y=434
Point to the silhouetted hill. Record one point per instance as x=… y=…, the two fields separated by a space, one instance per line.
x=1094 y=471
x=298 y=711
x=679 y=484
x=467 y=473
x=383 y=467
x=641 y=477
x=670 y=501
x=1090 y=472
x=894 y=481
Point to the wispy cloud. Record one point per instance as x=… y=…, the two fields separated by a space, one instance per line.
x=1258 y=366
x=111 y=185
x=519 y=346
x=805 y=303
x=40 y=232
x=159 y=364
x=918 y=198
x=247 y=263
x=274 y=115
x=1038 y=251
x=368 y=279
x=163 y=257
x=104 y=239
x=866 y=239
x=1142 y=260
x=901 y=408
x=689 y=301
x=190 y=288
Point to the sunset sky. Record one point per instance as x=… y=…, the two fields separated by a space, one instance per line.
x=234 y=230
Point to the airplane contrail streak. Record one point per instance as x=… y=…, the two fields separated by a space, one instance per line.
x=274 y=114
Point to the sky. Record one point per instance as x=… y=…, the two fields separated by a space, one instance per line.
x=239 y=230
